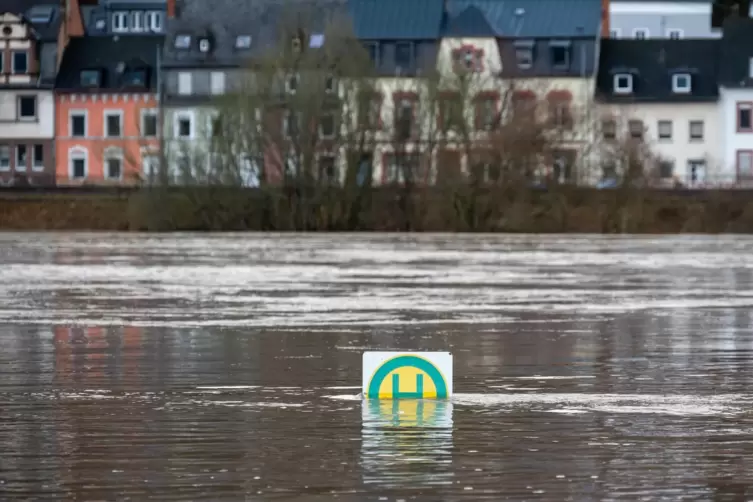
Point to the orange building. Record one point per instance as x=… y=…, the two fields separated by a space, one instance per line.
x=106 y=123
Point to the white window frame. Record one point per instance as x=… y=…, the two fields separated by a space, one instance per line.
x=675 y=31
x=119 y=22
x=8 y=149
x=217 y=82
x=665 y=123
x=137 y=21
x=622 y=89
x=112 y=113
x=113 y=153
x=676 y=80
x=19 y=166
x=78 y=113
x=204 y=45
x=154 y=21
x=150 y=161
x=640 y=31
x=15 y=70
x=185 y=83
x=180 y=38
x=78 y=153
x=144 y=113
x=526 y=61
x=37 y=164
x=192 y=124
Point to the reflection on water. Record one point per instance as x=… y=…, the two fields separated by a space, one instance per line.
x=406 y=442
x=227 y=368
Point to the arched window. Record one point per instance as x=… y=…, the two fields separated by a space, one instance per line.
x=78 y=163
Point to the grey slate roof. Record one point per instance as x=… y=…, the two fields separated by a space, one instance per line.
x=737 y=49
x=470 y=22
x=225 y=20
x=652 y=63
x=106 y=53
x=538 y=18
x=46 y=32
x=397 y=19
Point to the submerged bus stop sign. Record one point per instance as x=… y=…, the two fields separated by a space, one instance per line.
x=407 y=375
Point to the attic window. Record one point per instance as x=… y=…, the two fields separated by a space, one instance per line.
x=316 y=41
x=560 y=53
x=524 y=53
x=243 y=42
x=91 y=78
x=135 y=78
x=681 y=83
x=623 y=83
x=183 y=41
x=204 y=45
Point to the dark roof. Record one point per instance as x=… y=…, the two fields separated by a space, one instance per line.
x=46 y=31
x=113 y=56
x=652 y=63
x=397 y=19
x=470 y=22
x=228 y=19
x=737 y=49
x=536 y=18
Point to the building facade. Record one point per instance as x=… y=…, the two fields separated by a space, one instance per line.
x=645 y=19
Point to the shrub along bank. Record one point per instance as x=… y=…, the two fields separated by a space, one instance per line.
x=464 y=209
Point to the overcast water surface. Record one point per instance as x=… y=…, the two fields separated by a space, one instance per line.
x=228 y=367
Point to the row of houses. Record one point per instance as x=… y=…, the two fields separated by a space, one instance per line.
x=106 y=92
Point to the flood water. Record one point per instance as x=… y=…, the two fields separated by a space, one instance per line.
x=227 y=367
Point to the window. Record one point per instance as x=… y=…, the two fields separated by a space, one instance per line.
x=744 y=117
x=664 y=128
x=403 y=54
x=182 y=41
x=184 y=126
x=184 y=83
x=291 y=83
x=635 y=127
x=316 y=41
x=113 y=124
x=134 y=78
x=120 y=21
x=666 y=169
x=290 y=124
x=243 y=42
x=27 y=107
x=22 y=158
x=2 y=62
x=560 y=53
x=614 y=33
x=20 y=62
x=744 y=165
x=90 y=78
x=154 y=21
x=328 y=169
x=37 y=157
x=150 y=166
x=149 y=123
x=468 y=59
x=77 y=163
x=696 y=170
x=674 y=33
x=330 y=84
x=623 y=83
x=696 y=130
x=77 y=123
x=204 y=45
x=681 y=83
x=137 y=21
x=640 y=33
x=400 y=167
x=486 y=113
x=524 y=55
x=4 y=158
x=327 y=125
x=559 y=113
x=372 y=48
x=217 y=82
x=609 y=128
x=404 y=110
x=113 y=164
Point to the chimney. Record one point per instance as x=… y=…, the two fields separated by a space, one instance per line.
x=171 y=9
x=605 y=18
x=71 y=25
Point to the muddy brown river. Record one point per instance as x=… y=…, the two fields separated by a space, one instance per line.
x=227 y=367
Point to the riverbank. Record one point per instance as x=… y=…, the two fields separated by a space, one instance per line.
x=382 y=209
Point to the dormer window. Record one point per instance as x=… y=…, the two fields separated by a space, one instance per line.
x=372 y=48
x=100 y=24
x=560 y=54
x=204 y=45
x=623 y=83
x=91 y=78
x=681 y=83
x=119 y=22
x=154 y=21
x=137 y=21
x=316 y=41
x=403 y=54
x=135 y=78
x=243 y=42
x=291 y=84
x=183 y=41
x=524 y=53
